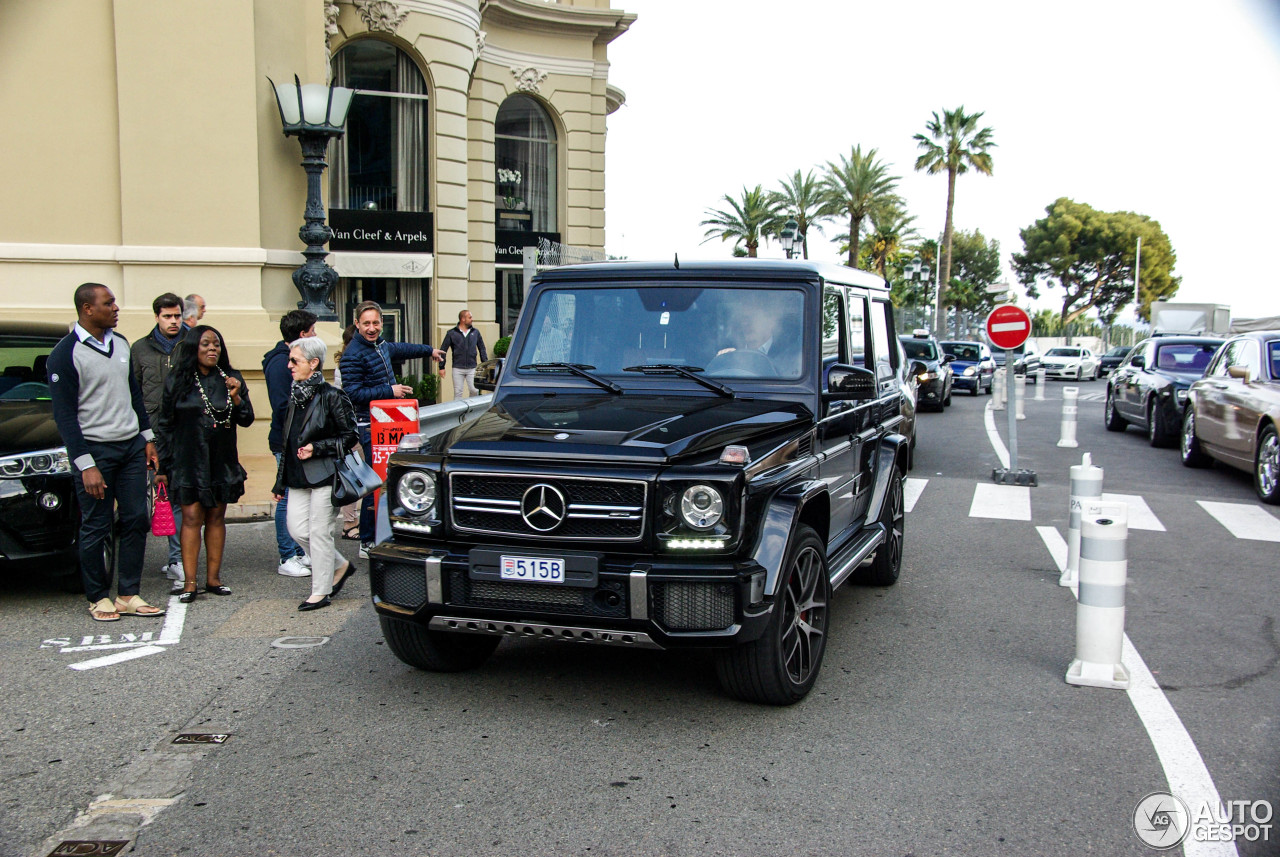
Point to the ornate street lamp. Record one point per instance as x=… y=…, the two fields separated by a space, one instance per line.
x=315 y=114
x=917 y=272
x=790 y=231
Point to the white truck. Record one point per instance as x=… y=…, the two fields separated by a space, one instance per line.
x=1189 y=319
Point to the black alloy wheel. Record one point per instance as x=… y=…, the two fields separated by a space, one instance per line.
x=1112 y=419
x=781 y=666
x=1192 y=454
x=884 y=569
x=1266 y=469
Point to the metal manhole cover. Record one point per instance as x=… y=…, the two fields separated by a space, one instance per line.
x=298 y=642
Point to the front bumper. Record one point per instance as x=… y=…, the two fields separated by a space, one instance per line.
x=930 y=392
x=39 y=520
x=1071 y=372
x=672 y=602
x=967 y=382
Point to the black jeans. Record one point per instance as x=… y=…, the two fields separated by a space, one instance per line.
x=124 y=469
x=367 y=523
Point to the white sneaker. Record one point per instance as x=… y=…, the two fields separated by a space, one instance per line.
x=172 y=571
x=292 y=568
x=305 y=560
x=364 y=549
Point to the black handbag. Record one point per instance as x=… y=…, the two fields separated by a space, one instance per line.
x=353 y=479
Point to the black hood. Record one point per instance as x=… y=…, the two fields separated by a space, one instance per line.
x=27 y=426
x=634 y=428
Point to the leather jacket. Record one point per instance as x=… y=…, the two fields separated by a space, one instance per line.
x=329 y=425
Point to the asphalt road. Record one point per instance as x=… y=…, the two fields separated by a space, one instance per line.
x=941 y=723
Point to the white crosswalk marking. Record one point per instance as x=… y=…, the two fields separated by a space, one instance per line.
x=1140 y=515
x=1006 y=502
x=911 y=490
x=1244 y=520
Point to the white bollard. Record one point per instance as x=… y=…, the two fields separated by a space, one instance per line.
x=997 y=391
x=1104 y=568
x=1020 y=396
x=1039 y=385
x=1086 y=490
x=1070 y=396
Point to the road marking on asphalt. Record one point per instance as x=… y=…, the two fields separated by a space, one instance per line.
x=1244 y=521
x=1183 y=765
x=1140 y=515
x=911 y=491
x=989 y=418
x=1006 y=502
x=170 y=634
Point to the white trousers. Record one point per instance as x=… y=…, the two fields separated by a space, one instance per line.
x=311 y=519
x=464 y=379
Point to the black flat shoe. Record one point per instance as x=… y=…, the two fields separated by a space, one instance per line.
x=337 y=587
x=187 y=597
x=314 y=605
x=218 y=590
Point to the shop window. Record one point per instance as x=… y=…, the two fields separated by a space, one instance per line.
x=525 y=166
x=381 y=161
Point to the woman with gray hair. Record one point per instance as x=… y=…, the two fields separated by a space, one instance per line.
x=319 y=429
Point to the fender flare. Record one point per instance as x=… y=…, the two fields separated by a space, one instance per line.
x=778 y=526
x=891 y=456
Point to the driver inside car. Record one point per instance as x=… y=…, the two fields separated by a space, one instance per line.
x=756 y=327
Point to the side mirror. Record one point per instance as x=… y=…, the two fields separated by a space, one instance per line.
x=917 y=368
x=849 y=383
x=1239 y=370
x=947 y=358
x=487 y=374
x=1138 y=362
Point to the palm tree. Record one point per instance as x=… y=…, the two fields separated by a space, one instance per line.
x=746 y=220
x=890 y=229
x=801 y=198
x=853 y=188
x=954 y=145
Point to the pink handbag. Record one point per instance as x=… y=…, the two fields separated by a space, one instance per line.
x=162 y=516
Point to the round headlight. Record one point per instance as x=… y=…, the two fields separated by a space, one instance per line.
x=11 y=467
x=41 y=463
x=701 y=507
x=417 y=491
x=970 y=371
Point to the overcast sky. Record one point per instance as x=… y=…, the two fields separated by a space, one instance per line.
x=1165 y=108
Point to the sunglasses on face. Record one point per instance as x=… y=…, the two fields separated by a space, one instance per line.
x=294 y=361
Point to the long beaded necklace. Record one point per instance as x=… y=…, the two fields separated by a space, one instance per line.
x=221 y=416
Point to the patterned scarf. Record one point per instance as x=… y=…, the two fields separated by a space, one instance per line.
x=302 y=391
x=166 y=344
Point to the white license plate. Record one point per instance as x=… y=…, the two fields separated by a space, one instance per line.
x=533 y=569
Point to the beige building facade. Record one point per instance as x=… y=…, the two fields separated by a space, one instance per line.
x=144 y=150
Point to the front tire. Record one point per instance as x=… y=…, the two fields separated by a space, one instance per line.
x=781 y=667
x=1192 y=454
x=435 y=651
x=1158 y=434
x=1266 y=469
x=1111 y=418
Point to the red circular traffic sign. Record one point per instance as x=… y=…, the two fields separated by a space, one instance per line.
x=1008 y=326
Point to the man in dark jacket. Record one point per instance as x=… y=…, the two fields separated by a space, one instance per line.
x=152 y=356
x=366 y=376
x=294 y=325
x=467 y=345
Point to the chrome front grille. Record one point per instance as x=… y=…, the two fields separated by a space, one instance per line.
x=593 y=509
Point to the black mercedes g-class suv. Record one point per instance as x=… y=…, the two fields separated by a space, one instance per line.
x=677 y=455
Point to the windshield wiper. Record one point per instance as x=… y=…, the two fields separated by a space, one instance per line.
x=689 y=372
x=579 y=369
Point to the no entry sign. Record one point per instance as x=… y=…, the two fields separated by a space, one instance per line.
x=1008 y=326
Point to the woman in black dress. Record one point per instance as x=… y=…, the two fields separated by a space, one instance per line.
x=204 y=400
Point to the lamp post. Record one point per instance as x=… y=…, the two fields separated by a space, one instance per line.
x=790 y=231
x=918 y=272
x=315 y=114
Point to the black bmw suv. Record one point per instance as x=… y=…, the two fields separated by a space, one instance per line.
x=677 y=455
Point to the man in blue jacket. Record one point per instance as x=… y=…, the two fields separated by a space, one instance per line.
x=367 y=375
x=294 y=325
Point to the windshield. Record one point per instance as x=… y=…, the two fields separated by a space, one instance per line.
x=1063 y=352
x=24 y=376
x=963 y=350
x=920 y=349
x=1119 y=351
x=1185 y=357
x=726 y=332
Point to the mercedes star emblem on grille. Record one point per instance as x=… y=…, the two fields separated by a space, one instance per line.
x=543 y=507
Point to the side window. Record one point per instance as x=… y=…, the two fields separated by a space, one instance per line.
x=882 y=340
x=1225 y=358
x=833 y=326
x=857 y=307
x=1248 y=356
